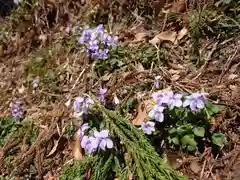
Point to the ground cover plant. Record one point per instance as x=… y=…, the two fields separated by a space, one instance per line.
x=120 y=90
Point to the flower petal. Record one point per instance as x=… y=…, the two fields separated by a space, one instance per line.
x=89 y=101
x=103 y=144
x=160 y=117
x=103 y=90
x=178 y=102
x=104 y=133
x=200 y=104
x=109 y=143
x=94 y=142
x=186 y=103
x=151 y=114
x=84 y=127
x=84 y=141
x=193 y=105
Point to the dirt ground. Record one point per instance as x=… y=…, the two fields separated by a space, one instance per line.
x=39 y=32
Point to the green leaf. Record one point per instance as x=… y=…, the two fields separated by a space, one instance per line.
x=175 y=140
x=199 y=131
x=188 y=140
x=191 y=148
x=211 y=109
x=219 y=139
x=184 y=129
x=173 y=130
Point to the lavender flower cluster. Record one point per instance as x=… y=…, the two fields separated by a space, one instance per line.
x=16 y=110
x=99 y=140
x=96 y=42
x=171 y=100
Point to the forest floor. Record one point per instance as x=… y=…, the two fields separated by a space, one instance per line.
x=190 y=46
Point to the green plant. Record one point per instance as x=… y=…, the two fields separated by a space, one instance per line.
x=132 y=154
x=190 y=130
x=8 y=126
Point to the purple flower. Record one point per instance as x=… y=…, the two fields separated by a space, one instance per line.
x=157 y=113
x=96 y=43
x=174 y=100
x=93 y=45
x=82 y=129
x=148 y=127
x=100 y=54
x=99 y=140
x=81 y=40
x=35 y=82
x=101 y=94
x=104 y=140
x=16 y=111
x=67 y=29
x=156 y=82
x=104 y=38
x=85 y=101
x=161 y=97
x=90 y=144
x=99 y=28
x=195 y=101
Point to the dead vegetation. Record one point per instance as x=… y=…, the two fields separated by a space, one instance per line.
x=194 y=45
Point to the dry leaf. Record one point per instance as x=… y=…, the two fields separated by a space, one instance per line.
x=76 y=147
x=142 y=110
x=232 y=76
x=195 y=167
x=67 y=104
x=164 y=36
x=177 y=7
x=54 y=147
x=141 y=37
x=140 y=67
x=175 y=77
x=140 y=33
x=106 y=77
x=183 y=32
x=21 y=90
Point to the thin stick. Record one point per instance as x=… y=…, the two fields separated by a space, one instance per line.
x=226 y=66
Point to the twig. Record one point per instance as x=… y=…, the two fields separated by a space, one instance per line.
x=207 y=60
x=80 y=75
x=202 y=172
x=226 y=66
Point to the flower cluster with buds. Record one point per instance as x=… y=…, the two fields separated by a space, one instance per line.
x=96 y=42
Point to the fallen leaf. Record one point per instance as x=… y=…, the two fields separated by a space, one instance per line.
x=141 y=37
x=175 y=77
x=140 y=67
x=106 y=77
x=232 y=76
x=142 y=110
x=195 y=167
x=164 y=36
x=21 y=90
x=140 y=33
x=183 y=32
x=67 y=104
x=54 y=147
x=76 y=147
x=177 y=7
